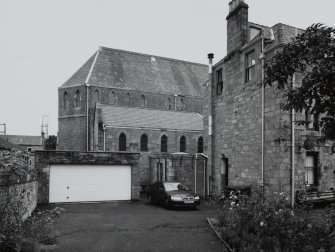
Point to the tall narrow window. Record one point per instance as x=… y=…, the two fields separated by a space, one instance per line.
x=182 y=144
x=200 y=145
x=77 y=99
x=127 y=99
x=142 y=101
x=181 y=104
x=219 y=82
x=144 y=142
x=311 y=170
x=164 y=144
x=122 y=142
x=250 y=62
x=168 y=104
x=112 y=98
x=66 y=105
x=312 y=121
x=96 y=96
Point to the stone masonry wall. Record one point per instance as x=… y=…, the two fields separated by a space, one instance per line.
x=43 y=160
x=72 y=122
x=154 y=143
x=23 y=194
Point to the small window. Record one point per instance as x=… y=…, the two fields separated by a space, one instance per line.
x=312 y=121
x=142 y=101
x=96 y=96
x=127 y=99
x=182 y=144
x=122 y=142
x=200 y=145
x=112 y=98
x=164 y=144
x=250 y=62
x=29 y=149
x=311 y=168
x=66 y=104
x=219 y=82
x=77 y=99
x=144 y=143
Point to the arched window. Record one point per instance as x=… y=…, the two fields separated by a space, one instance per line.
x=142 y=101
x=182 y=144
x=66 y=102
x=200 y=145
x=77 y=99
x=144 y=142
x=128 y=99
x=168 y=103
x=164 y=144
x=112 y=98
x=96 y=96
x=122 y=142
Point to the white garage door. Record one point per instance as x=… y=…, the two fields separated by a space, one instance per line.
x=75 y=183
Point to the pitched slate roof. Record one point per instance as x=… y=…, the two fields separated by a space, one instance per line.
x=119 y=117
x=5 y=145
x=143 y=72
x=23 y=140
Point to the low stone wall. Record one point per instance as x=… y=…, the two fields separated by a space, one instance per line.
x=23 y=195
x=43 y=160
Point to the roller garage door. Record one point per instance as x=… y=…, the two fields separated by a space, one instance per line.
x=76 y=183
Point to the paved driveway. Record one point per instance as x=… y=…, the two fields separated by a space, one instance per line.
x=134 y=227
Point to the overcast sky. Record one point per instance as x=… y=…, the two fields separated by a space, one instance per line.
x=43 y=42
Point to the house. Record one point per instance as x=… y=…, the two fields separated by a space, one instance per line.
x=28 y=143
x=249 y=138
x=120 y=115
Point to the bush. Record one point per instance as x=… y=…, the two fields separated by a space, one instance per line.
x=254 y=224
x=19 y=235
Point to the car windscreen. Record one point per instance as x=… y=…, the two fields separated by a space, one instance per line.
x=174 y=187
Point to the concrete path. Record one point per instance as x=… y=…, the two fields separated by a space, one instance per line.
x=134 y=227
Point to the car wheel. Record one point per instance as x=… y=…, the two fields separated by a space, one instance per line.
x=149 y=199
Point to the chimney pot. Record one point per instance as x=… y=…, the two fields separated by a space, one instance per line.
x=230 y=6
x=210 y=55
x=242 y=1
x=234 y=4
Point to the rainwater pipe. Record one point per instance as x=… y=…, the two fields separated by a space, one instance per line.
x=262 y=56
x=293 y=140
x=195 y=173
x=87 y=97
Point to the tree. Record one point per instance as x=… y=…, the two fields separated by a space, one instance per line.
x=311 y=55
x=50 y=143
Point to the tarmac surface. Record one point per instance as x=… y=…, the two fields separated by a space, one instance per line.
x=134 y=226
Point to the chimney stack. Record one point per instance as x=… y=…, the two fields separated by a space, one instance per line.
x=237 y=25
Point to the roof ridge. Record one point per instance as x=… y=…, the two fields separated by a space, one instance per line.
x=159 y=57
x=156 y=109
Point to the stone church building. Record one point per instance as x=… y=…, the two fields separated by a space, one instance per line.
x=250 y=138
x=121 y=101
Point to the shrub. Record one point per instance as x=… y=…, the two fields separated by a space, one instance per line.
x=254 y=224
x=19 y=235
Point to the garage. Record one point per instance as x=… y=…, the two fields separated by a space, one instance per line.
x=76 y=183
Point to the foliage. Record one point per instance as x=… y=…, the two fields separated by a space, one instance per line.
x=254 y=224
x=312 y=56
x=14 y=166
x=17 y=234
x=50 y=143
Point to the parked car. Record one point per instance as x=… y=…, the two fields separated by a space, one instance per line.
x=172 y=194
